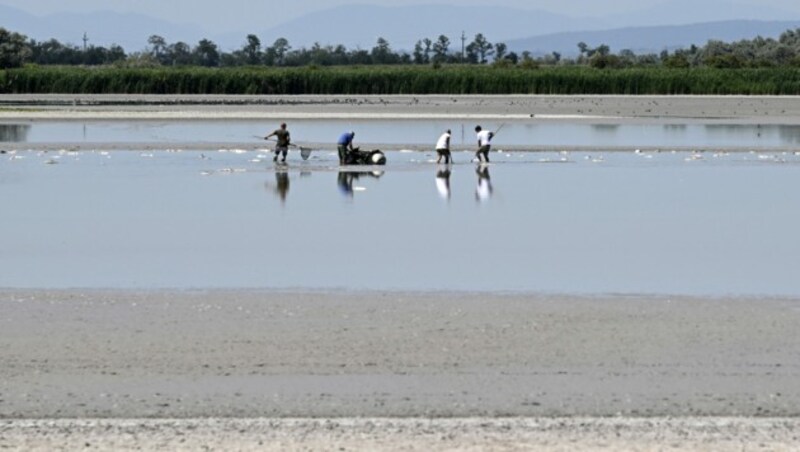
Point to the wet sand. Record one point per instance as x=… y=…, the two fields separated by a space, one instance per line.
x=475 y=434
x=585 y=367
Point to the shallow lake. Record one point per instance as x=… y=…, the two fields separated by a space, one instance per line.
x=414 y=133
x=582 y=223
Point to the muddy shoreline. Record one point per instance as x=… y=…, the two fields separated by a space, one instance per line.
x=248 y=353
x=273 y=370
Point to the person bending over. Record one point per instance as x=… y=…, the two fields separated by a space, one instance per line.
x=443 y=147
x=484 y=144
x=344 y=145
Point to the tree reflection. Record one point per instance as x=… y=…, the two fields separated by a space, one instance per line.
x=789 y=134
x=14 y=132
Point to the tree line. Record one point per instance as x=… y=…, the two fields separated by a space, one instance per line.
x=17 y=50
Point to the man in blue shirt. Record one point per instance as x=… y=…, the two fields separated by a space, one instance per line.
x=344 y=144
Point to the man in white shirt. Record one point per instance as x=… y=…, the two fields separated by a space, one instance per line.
x=484 y=144
x=443 y=147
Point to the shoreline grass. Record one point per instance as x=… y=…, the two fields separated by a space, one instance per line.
x=387 y=80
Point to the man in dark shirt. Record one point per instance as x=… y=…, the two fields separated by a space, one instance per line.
x=282 y=146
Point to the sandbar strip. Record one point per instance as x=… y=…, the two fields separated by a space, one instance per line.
x=719 y=434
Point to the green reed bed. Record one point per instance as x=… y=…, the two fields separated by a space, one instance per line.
x=400 y=80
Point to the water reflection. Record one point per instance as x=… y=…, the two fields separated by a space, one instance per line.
x=789 y=134
x=605 y=128
x=754 y=134
x=484 y=189
x=637 y=244
x=345 y=179
x=281 y=188
x=443 y=182
x=14 y=132
x=396 y=132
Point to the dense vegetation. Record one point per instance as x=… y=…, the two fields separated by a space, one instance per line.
x=758 y=66
x=451 y=79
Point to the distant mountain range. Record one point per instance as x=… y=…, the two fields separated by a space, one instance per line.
x=102 y=28
x=652 y=39
x=359 y=26
x=403 y=26
x=682 y=12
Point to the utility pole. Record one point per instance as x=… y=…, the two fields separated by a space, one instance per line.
x=85 y=40
x=463 y=40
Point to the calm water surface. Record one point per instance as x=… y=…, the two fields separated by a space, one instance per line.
x=664 y=223
x=412 y=132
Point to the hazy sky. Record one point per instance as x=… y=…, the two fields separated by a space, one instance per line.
x=246 y=14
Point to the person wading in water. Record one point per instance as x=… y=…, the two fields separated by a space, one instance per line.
x=282 y=146
x=484 y=144
x=443 y=147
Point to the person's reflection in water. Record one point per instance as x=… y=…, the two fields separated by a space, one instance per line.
x=345 y=180
x=443 y=182
x=484 y=189
x=281 y=188
x=345 y=183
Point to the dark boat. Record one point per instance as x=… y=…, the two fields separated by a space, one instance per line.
x=359 y=157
